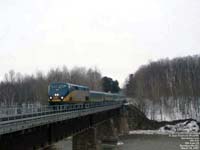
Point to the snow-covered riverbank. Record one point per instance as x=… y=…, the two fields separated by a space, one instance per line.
x=190 y=126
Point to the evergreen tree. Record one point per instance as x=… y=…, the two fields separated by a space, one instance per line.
x=108 y=85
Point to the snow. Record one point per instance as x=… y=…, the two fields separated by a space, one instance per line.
x=185 y=127
x=170 y=109
x=150 y=132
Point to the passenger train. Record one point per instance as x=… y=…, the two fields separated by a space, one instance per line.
x=64 y=93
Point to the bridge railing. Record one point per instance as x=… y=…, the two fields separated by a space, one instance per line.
x=15 y=113
x=52 y=114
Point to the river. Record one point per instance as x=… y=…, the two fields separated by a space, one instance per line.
x=133 y=142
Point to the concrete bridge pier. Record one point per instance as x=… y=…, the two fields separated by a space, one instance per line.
x=121 y=123
x=86 y=140
x=104 y=132
x=92 y=138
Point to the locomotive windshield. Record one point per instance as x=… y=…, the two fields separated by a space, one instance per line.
x=60 y=88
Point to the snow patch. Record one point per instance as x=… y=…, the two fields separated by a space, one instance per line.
x=148 y=132
x=187 y=126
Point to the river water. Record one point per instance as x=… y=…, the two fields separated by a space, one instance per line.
x=133 y=142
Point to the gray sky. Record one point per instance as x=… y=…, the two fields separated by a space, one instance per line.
x=117 y=36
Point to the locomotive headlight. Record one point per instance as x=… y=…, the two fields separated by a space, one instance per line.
x=50 y=97
x=62 y=97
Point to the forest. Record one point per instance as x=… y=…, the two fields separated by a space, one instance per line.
x=17 y=89
x=167 y=88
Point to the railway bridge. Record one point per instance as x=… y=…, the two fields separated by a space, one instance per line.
x=36 y=127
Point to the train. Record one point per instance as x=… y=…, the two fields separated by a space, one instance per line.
x=67 y=93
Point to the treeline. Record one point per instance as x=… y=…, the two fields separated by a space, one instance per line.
x=179 y=77
x=17 y=88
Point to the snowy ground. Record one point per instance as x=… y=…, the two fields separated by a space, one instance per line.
x=169 y=109
x=185 y=127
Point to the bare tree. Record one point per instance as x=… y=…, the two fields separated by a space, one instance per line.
x=18 y=89
x=177 y=79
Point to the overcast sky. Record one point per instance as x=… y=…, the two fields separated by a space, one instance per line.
x=116 y=36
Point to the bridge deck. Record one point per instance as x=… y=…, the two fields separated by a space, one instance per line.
x=20 y=119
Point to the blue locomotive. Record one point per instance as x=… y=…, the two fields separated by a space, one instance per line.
x=63 y=93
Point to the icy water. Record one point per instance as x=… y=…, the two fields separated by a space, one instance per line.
x=132 y=142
